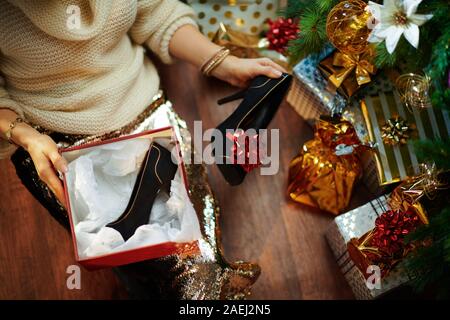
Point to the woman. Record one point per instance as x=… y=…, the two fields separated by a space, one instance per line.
x=90 y=77
x=95 y=78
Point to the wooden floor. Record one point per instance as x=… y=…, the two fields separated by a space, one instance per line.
x=258 y=223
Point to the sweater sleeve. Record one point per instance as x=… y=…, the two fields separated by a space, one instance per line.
x=6 y=149
x=157 y=21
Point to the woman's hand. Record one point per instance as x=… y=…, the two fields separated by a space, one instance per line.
x=42 y=149
x=46 y=158
x=190 y=45
x=238 y=72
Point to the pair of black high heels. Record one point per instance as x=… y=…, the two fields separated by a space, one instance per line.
x=260 y=103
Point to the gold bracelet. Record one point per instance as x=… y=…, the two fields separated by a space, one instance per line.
x=214 y=61
x=211 y=60
x=218 y=59
x=12 y=125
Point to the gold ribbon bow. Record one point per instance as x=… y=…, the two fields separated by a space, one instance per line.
x=395 y=131
x=409 y=193
x=361 y=63
x=225 y=35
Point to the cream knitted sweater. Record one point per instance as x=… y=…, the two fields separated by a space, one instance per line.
x=88 y=78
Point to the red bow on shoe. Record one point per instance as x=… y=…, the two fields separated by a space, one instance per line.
x=240 y=150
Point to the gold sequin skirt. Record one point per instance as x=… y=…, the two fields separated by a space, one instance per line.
x=205 y=276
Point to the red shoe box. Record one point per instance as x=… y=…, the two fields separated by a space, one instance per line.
x=141 y=253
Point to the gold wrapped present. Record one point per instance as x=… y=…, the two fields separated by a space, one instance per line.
x=242 y=15
x=387 y=120
x=346 y=73
x=324 y=172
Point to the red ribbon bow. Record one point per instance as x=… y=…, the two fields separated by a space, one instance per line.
x=243 y=150
x=392 y=227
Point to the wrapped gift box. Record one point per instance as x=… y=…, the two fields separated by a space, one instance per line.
x=310 y=99
x=309 y=95
x=245 y=16
x=344 y=80
x=354 y=224
x=393 y=163
x=98 y=186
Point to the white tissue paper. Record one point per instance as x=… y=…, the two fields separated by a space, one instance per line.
x=100 y=182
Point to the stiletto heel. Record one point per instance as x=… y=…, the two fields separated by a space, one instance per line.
x=257 y=109
x=234 y=96
x=156 y=173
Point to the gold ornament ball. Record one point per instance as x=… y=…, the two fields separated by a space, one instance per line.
x=414 y=90
x=347 y=26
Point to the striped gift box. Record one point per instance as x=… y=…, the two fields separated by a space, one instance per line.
x=395 y=163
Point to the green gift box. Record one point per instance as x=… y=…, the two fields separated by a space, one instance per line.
x=395 y=162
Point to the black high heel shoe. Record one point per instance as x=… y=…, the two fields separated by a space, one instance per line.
x=260 y=103
x=156 y=173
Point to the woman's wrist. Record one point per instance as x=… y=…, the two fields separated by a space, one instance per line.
x=15 y=130
x=24 y=135
x=212 y=63
x=223 y=69
x=208 y=52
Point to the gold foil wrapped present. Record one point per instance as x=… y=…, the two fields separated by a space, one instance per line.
x=347 y=73
x=324 y=172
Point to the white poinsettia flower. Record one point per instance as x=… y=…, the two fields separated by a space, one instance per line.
x=396 y=18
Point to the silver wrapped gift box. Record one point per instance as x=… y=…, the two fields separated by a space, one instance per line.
x=354 y=224
x=308 y=95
